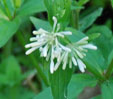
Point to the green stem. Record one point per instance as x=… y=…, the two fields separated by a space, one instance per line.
x=33 y=60
x=109 y=70
x=75 y=19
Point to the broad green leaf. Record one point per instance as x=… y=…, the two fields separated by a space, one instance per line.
x=31 y=7
x=38 y=23
x=78 y=83
x=59 y=82
x=107 y=90
x=45 y=94
x=7 y=30
x=98 y=61
x=104 y=40
x=88 y=20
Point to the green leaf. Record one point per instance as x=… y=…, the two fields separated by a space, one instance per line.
x=93 y=36
x=112 y=2
x=31 y=7
x=7 y=30
x=110 y=57
x=78 y=83
x=103 y=42
x=17 y=3
x=76 y=35
x=107 y=90
x=59 y=8
x=38 y=23
x=82 y=2
x=3 y=15
x=13 y=70
x=94 y=57
x=59 y=81
x=88 y=20
x=44 y=94
x=98 y=61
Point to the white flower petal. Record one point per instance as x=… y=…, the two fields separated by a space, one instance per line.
x=70 y=64
x=74 y=61
x=66 y=33
x=35 y=44
x=83 y=40
x=65 y=61
x=31 y=50
x=58 y=27
x=64 y=48
x=55 y=23
x=81 y=65
x=52 y=67
x=33 y=39
x=40 y=31
x=45 y=49
x=78 y=53
x=89 y=46
x=60 y=35
x=48 y=56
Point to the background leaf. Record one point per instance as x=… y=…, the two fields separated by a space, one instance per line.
x=104 y=41
x=38 y=23
x=31 y=7
x=78 y=83
x=7 y=30
x=107 y=90
x=44 y=94
x=88 y=20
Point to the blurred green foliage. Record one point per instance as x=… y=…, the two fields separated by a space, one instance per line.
x=24 y=77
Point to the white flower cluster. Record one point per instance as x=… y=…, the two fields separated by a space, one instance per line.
x=50 y=48
x=78 y=51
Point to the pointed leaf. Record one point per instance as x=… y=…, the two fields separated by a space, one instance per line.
x=90 y=19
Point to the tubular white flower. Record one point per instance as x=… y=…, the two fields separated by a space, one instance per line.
x=89 y=46
x=83 y=40
x=65 y=61
x=79 y=50
x=81 y=65
x=74 y=61
x=49 y=46
x=52 y=66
